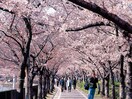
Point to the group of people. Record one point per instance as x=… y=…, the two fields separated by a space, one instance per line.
x=66 y=83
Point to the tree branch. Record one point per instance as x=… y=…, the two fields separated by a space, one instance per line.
x=13 y=51
x=29 y=29
x=89 y=26
x=6 y=10
x=42 y=47
x=13 y=38
x=9 y=60
x=104 y=13
x=12 y=21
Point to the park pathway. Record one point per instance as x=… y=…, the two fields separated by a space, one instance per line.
x=74 y=94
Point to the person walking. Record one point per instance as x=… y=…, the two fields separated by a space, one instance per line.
x=62 y=84
x=74 y=82
x=58 y=80
x=65 y=83
x=92 y=85
x=69 y=83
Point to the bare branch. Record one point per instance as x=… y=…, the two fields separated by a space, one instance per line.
x=13 y=39
x=6 y=10
x=9 y=60
x=89 y=26
x=41 y=48
x=12 y=21
x=12 y=50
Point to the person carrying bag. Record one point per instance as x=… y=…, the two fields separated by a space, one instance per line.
x=92 y=85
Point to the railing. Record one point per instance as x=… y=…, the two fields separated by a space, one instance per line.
x=9 y=93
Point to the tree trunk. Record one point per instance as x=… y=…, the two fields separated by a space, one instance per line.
x=112 y=82
x=113 y=86
x=27 y=85
x=25 y=52
x=48 y=83
x=107 y=86
x=129 y=74
x=52 y=83
x=21 y=82
x=122 y=79
x=30 y=89
x=117 y=77
x=44 y=86
x=98 y=88
x=84 y=76
x=103 y=87
x=129 y=81
x=40 y=87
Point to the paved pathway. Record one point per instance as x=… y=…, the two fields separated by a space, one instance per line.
x=74 y=94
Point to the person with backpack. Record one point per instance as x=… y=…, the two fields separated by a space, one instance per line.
x=92 y=85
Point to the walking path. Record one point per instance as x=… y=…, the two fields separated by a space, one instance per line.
x=74 y=94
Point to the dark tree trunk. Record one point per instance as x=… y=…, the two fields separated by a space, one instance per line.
x=117 y=76
x=48 y=83
x=107 y=86
x=21 y=83
x=27 y=84
x=32 y=75
x=113 y=86
x=112 y=82
x=30 y=88
x=99 y=88
x=52 y=83
x=129 y=74
x=129 y=81
x=103 y=87
x=25 y=52
x=44 y=86
x=40 y=87
x=122 y=79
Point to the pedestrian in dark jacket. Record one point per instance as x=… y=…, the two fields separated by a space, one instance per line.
x=62 y=84
x=58 y=80
x=92 y=85
x=65 y=82
x=74 y=83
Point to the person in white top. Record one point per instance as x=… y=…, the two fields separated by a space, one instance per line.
x=69 y=84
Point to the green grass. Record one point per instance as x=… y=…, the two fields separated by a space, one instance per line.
x=81 y=86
